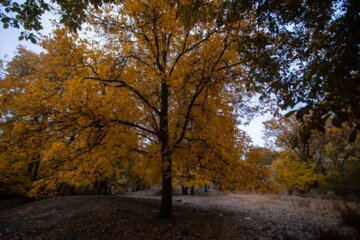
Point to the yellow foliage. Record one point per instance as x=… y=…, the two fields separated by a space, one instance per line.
x=293 y=174
x=152 y=87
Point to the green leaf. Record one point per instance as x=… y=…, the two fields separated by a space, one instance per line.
x=33 y=40
x=21 y=38
x=6 y=25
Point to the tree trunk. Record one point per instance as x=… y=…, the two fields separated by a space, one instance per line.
x=206 y=188
x=33 y=167
x=192 y=190
x=166 y=193
x=36 y=169
x=184 y=190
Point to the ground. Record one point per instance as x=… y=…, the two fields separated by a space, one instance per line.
x=206 y=216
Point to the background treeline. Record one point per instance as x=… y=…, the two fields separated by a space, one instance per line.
x=323 y=161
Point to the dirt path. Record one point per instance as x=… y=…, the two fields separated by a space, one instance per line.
x=231 y=216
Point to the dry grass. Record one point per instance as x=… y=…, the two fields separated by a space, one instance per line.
x=204 y=216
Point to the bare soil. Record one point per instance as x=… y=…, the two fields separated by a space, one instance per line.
x=210 y=216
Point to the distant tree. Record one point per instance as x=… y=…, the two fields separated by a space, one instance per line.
x=284 y=133
x=292 y=174
x=322 y=160
x=261 y=155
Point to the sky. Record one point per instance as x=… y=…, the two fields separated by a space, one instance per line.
x=9 y=38
x=9 y=42
x=255 y=129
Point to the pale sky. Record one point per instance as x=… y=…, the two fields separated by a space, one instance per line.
x=9 y=38
x=255 y=129
x=9 y=41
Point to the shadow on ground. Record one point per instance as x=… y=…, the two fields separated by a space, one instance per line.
x=135 y=217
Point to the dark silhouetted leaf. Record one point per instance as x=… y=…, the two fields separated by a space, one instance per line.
x=289 y=114
x=352 y=136
x=337 y=122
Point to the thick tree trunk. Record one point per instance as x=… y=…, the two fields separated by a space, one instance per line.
x=166 y=193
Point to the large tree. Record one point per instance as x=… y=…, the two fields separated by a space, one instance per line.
x=177 y=61
x=172 y=79
x=178 y=68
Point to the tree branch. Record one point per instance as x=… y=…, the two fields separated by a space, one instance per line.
x=135 y=125
x=124 y=84
x=199 y=89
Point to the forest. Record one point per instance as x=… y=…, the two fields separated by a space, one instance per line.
x=133 y=95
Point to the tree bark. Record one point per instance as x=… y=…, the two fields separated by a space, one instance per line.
x=184 y=190
x=166 y=193
x=220 y=188
x=192 y=190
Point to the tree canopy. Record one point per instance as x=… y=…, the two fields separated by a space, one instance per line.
x=150 y=87
x=160 y=86
x=312 y=45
